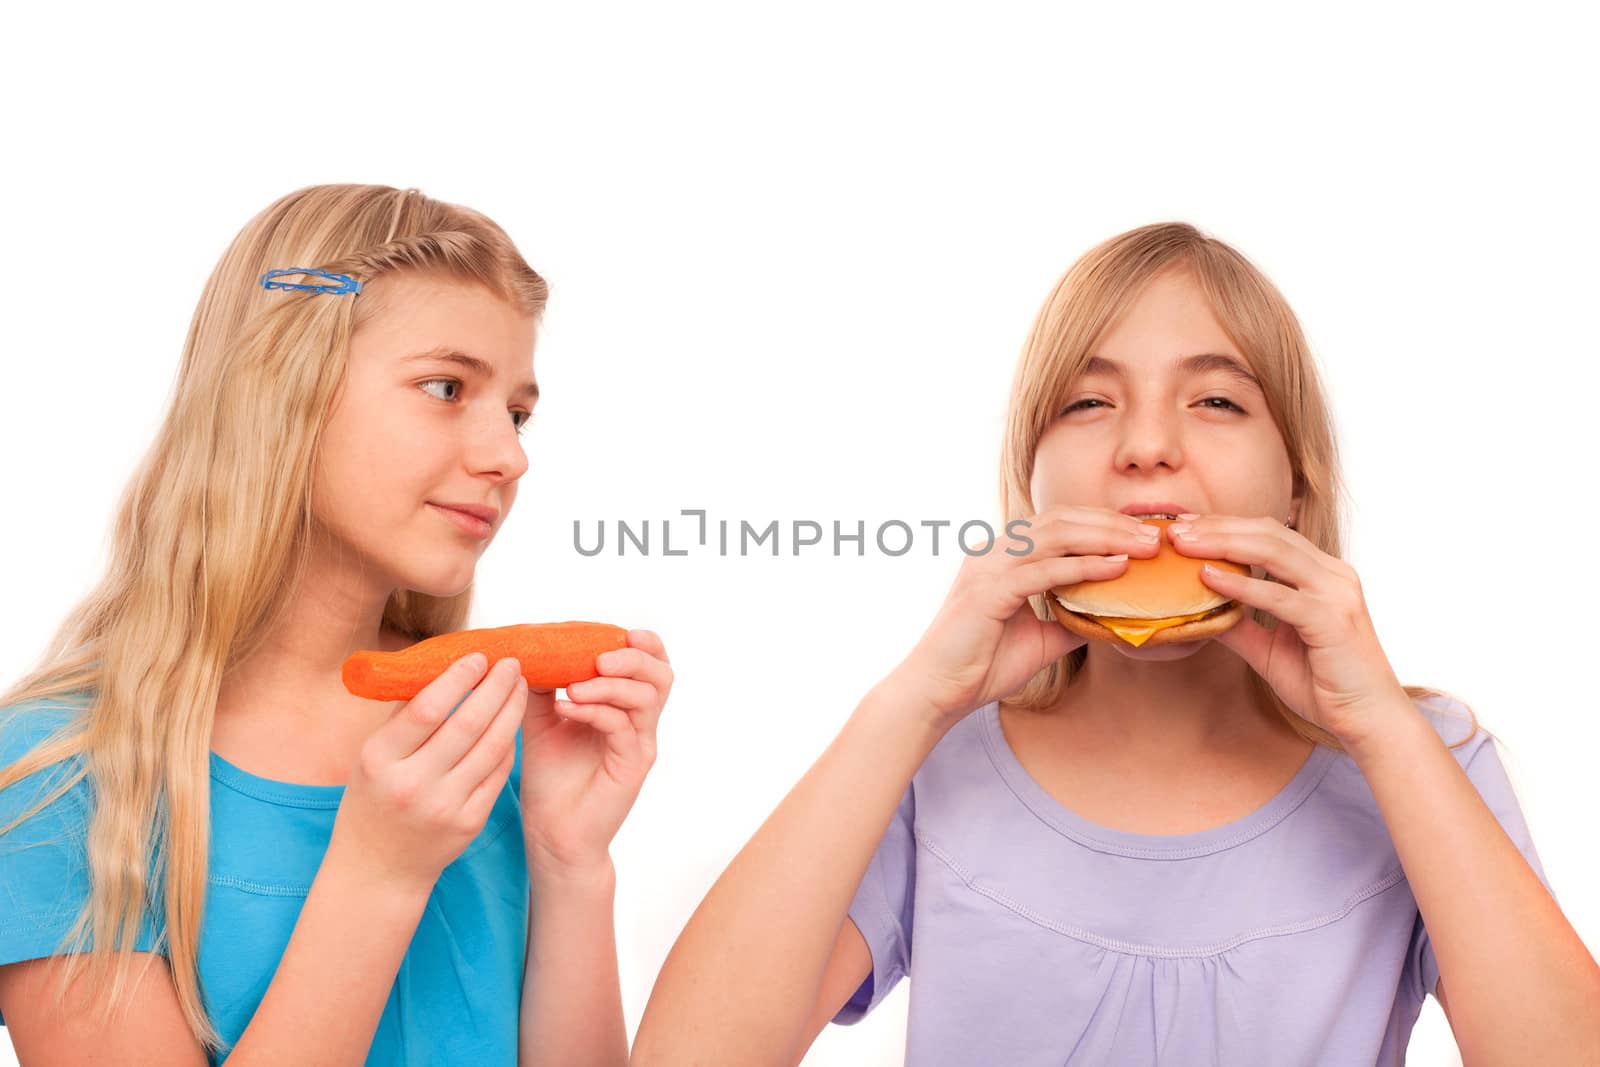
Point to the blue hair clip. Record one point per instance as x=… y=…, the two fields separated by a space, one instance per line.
x=346 y=284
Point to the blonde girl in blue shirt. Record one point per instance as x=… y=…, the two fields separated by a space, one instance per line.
x=208 y=848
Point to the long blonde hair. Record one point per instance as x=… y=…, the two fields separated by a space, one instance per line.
x=1085 y=303
x=210 y=541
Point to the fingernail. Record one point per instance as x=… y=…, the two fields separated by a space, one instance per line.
x=1187 y=515
x=1179 y=529
x=475 y=661
x=1150 y=533
x=1117 y=559
x=516 y=668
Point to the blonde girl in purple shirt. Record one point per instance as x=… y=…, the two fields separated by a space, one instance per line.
x=1259 y=848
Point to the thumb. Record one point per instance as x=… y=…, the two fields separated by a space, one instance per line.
x=1249 y=640
x=1055 y=640
x=1058 y=640
x=540 y=714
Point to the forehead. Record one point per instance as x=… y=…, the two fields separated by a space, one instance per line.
x=1169 y=329
x=411 y=314
x=410 y=300
x=1195 y=365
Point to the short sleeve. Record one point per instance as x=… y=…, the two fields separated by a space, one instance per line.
x=44 y=881
x=1480 y=758
x=882 y=911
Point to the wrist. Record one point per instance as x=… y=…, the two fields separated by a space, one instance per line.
x=352 y=872
x=1397 y=726
x=898 y=704
x=590 y=877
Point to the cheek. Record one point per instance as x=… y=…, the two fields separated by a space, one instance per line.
x=379 y=475
x=1271 y=477
x=1052 y=480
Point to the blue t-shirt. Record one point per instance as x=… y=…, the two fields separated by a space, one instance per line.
x=457 y=996
x=1032 y=936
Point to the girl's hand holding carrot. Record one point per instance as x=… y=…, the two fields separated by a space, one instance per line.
x=426 y=780
x=985 y=643
x=584 y=759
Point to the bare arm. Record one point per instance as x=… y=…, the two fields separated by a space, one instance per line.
x=742 y=984
x=571 y=995
x=151 y=1033
x=584 y=760
x=847 y=968
x=1523 y=988
x=419 y=793
x=322 y=1007
x=329 y=990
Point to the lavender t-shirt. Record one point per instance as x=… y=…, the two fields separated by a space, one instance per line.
x=1032 y=936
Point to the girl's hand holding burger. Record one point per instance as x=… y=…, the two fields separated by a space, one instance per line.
x=1325 y=661
x=986 y=642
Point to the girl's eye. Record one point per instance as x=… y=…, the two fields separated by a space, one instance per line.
x=440 y=381
x=526 y=415
x=1207 y=400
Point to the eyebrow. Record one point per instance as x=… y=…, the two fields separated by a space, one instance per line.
x=1203 y=363
x=480 y=367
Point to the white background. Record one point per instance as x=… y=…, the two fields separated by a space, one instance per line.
x=793 y=256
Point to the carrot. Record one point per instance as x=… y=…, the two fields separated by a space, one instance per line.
x=553 y=655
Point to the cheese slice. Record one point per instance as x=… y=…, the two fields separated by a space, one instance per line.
x=1137 y=631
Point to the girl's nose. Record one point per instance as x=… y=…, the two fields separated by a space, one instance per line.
x=1148 y=441
x=497 y=448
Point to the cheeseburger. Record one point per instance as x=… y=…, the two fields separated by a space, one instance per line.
x=1156 y=601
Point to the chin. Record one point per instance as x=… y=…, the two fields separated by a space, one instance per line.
x=1160 y=653
x=439 y=583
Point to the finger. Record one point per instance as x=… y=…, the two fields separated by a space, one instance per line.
x=603 y=717
x=1250 y=641
x=1091 y=517
x=1054 y=639
x=645 y=663
x=1280 y=551
x=622 y=740
x=625 y=693
x=1083 y=513
x=650 y=642
x=540 y=715
x=405 y=731
x=481 y=800
x=999 y=596
x=641 y=700
x=1047 y=574
x=1280 y=601
x=634 y=663
x=462 y=729
x=492 y=746
x=1060 y=537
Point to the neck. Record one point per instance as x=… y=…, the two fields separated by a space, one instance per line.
x=294 y=674
x=1175 y=706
